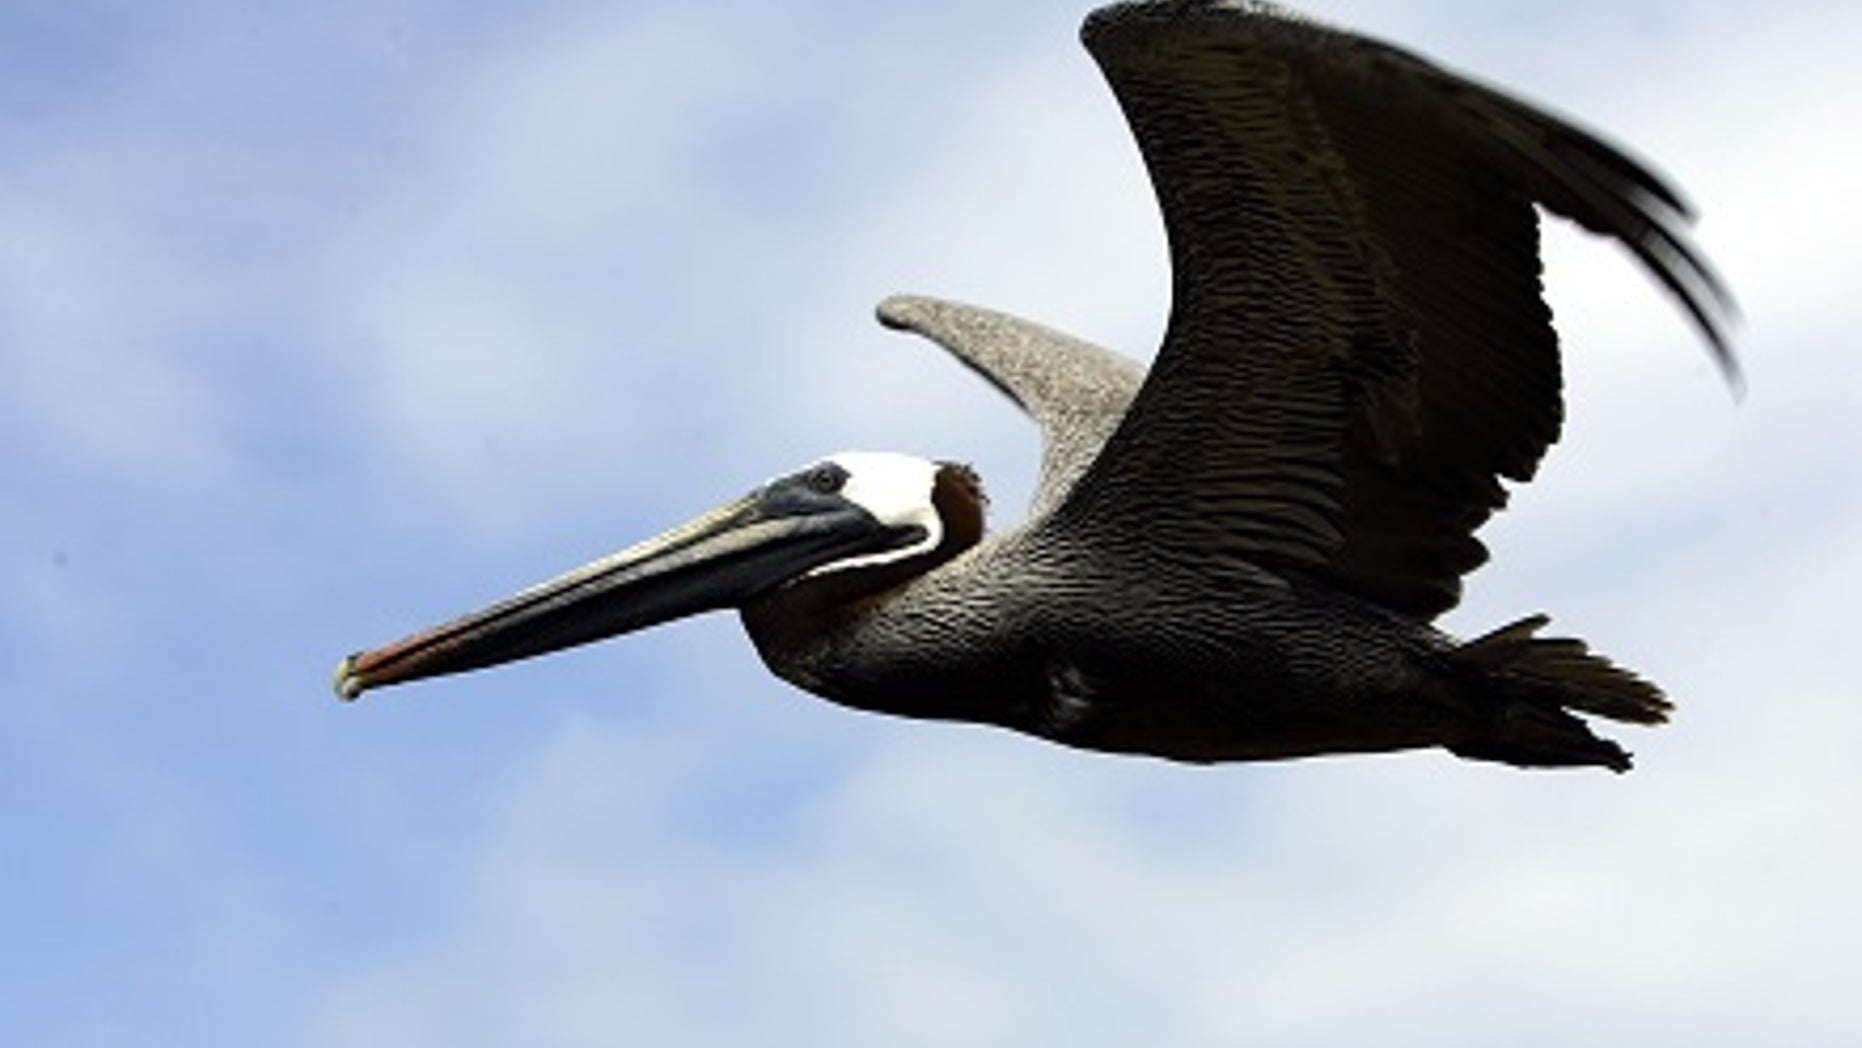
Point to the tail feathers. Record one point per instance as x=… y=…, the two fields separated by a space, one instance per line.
x=1539 y=682
x=1531 y=736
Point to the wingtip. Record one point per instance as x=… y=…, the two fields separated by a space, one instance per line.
x=1731 y=371
x=1716 y=315
x=897 y=311
x=907 y=312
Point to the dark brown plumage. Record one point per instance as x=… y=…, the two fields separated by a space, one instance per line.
x=1357 y=346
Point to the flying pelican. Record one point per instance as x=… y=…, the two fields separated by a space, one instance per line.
x=1238 y=555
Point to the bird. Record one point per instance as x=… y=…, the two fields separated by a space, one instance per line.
x=1239 y=553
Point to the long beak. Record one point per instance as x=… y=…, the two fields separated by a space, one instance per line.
x=716 y=561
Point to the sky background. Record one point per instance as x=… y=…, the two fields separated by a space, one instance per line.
x=322 y=322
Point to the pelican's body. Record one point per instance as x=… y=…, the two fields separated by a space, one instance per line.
x=1128 y=657
x=1237 y=555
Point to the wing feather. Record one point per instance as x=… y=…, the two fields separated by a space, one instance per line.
x=1358 y=349
x=1075 y=391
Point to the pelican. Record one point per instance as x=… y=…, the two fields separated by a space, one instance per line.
x=1238 y=555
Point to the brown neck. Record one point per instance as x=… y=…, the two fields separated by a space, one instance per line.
x=789 y=617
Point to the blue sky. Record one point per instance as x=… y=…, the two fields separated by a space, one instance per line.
x=321 y=325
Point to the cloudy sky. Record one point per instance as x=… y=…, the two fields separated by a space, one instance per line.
x=320 y=322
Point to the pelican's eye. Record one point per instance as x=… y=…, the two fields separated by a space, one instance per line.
x=826 y=479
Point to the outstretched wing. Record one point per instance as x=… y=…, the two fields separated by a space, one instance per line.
x=1075 y=391
x=1357 y=348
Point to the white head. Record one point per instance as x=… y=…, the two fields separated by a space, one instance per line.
x=896 y=489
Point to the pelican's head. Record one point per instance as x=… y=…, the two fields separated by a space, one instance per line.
x=848 y=512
